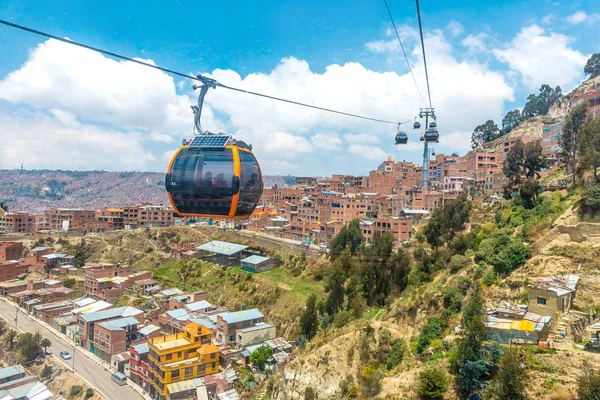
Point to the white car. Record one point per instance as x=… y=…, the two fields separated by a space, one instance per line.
x=65 y=355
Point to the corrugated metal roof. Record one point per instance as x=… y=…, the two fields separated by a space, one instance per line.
x=180 y=312
x=112 y=313
x=198 y=305
x=239 y=316
x=254 y=259
x=183 y=386
x=219 y=247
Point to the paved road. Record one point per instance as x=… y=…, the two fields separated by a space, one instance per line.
x=89 y=369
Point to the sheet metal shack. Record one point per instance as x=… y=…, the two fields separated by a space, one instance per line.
x=530 y=330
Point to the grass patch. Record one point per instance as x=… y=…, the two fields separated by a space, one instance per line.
x=373 y=314
x=300 y=286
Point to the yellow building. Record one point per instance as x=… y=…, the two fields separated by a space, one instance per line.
x=179 y=357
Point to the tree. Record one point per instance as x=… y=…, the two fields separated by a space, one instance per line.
x=45 y=343
x=309 y=322
x=540 y=104
x=512 y=377
x=589 y=146
x=511 y=167
x=325 y=321
x=592 y=67
x=349 y=237
x=470 y=358
x=335 y=299
x=569 y=140
x=447 y=221
x=46 y=372
x=260 y=356
x=588 y=384
x=11 y=335
x=371 y=377
x=511 y=120
x=29 y=345
x=533 y=160
x=485 y=133
x=433 y=383
x=80 y=255
x=89 y=393
x=309 y=393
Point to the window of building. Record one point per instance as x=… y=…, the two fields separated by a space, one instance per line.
x=214 y=365
x=175 y=374
x=541 y=300
x=189 y=371
x=201 y=368
x=169 y=357
x=178 y=354
x=212 y=355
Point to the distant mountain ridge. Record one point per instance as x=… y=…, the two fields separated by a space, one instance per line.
x=39 y=190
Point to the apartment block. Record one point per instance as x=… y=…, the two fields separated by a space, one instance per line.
x=86 y=323
x=228 y=323
x=20 y=222
x=114 y=337
x=69 y=219
x=155 y=216
x=179 y=357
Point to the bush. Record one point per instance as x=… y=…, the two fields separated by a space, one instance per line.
x=458 y=262
x=490 y=278
x=433 y=383
x=431 y=330
x=69 y=283
x=342 y=318
x=588 y=384
x=590 y=199
x=309 y=393
x=46 y=372
x=396 y=354
x=511 y=256
x=75 y=391
x=453 y=299
x=89 y=393
x=371 y=376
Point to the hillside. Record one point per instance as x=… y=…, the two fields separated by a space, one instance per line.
x=38 y=190
x=533 y=126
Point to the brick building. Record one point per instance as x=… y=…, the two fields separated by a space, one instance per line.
x=86 y=323
x=69 y=219
x=20 y=222
x=10 y=251
x=114 y=337
x=228 y=323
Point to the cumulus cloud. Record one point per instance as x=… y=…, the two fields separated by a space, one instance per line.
x=455 y=28
x=142 y=109
x=360 y=137
x=579 y=17
x=475 y=41
x=59 y=140
x=543 y=58
x=368 y=152
x=326 y=140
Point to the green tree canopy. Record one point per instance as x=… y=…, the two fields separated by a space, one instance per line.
x=447 y=221
x=540 y=104
x=589 y=146
x=592 y=67
x=349 y=237
x=260 y=356
x=433 y=384
x=511 y=120
x=571 y=132
x=485 y=133
x=309 y=322
x=512 y=377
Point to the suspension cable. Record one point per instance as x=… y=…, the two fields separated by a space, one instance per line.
x=187 y=76
x=423 y=47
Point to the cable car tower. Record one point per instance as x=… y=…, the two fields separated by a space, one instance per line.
x=431 y=135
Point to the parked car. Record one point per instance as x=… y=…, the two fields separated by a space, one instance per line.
x=65 y=355
x=305 y=244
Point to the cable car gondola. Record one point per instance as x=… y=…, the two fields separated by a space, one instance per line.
x=401 y=138
x=433 y=124
x=432 y=135
x=213 y=176
x=417 y=125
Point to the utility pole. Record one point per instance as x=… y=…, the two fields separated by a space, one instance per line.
x=16 y=317
x=427 y=112
x=73 y=358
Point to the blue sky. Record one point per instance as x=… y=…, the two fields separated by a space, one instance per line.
x=484 y=60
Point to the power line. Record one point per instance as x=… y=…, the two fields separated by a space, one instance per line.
x=170 y=71
x=403 y=52
x=423 y=47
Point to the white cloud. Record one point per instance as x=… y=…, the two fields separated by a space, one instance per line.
x=475 y=41
x=548 y=18
x=326 y=140
x=361 y=137
x=160 y=137
x=455 y=28
x=543 y=58
x=368 y=152
x=407 y=35
x=285 y=143
x=577 y=17
x=59 y=140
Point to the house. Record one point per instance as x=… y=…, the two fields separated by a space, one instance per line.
x=11 y=373
x=229 y=322
x=16 y=384
x=256 y=263
x=552 y=296
x=114 y=336
x=179 y=357
x=256 y=334
x=531 y=329
x=138 y=365
x=12 y=269
x=87 y=323
x=10 y=251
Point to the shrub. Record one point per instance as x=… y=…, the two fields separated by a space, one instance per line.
x=371 y=376
x=433 y=383
x=75 y=391
x=89 y=393
x=396 y=353
x=511 y=256
x=588 y=384
x=309 y=393
x=489 y=279
x=590 y=199
x=342 y=318
x=458 y=262
x=69 y=283
x=453 y=299
x=47 y=372
x=431 y=330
